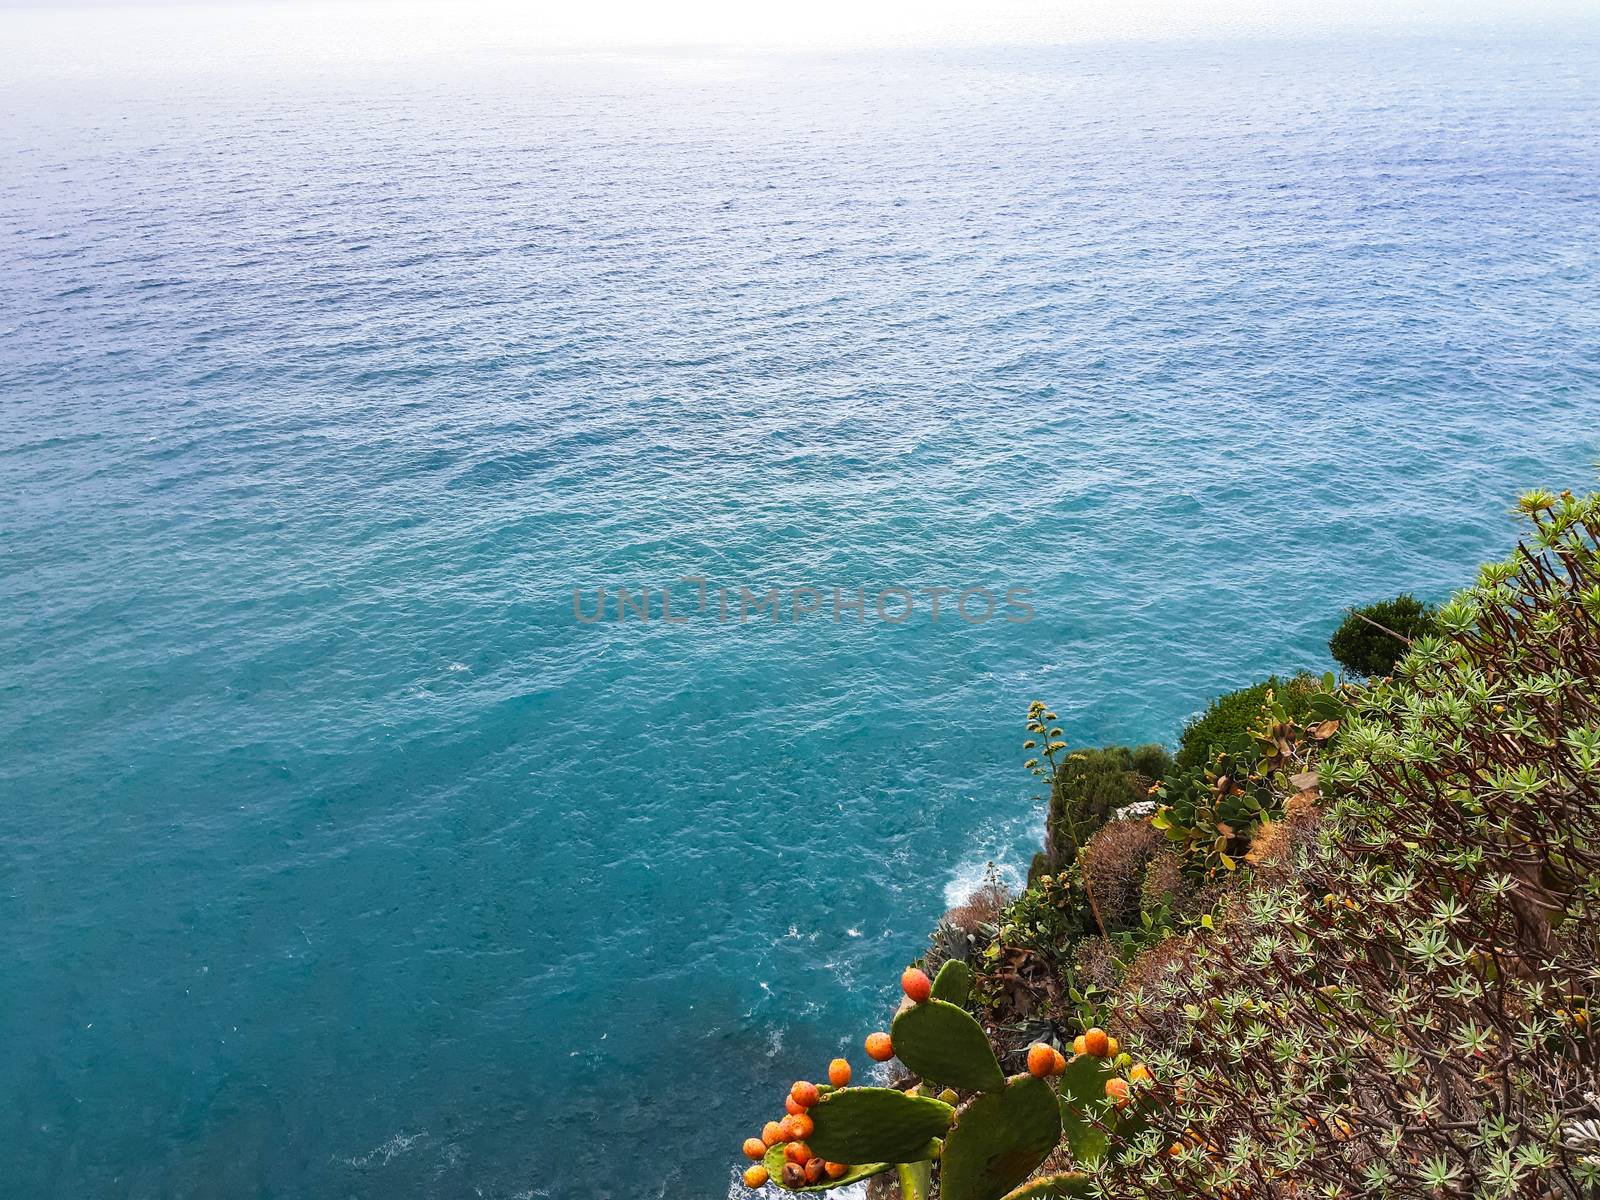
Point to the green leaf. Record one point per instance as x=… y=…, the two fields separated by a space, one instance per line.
x=953 y=984
x=942 y=1043
x=916 y=1179
x=870 y=1124
x=1087 y=1140
x=999 y=1139
x=1082 y=1089
x=774 y=1163
x=1084 y=1081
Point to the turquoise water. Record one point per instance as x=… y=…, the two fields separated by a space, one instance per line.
x=338 y=859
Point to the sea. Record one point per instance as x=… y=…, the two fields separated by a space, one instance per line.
x=473 y=718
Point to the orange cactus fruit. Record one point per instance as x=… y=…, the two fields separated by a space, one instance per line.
x=803 y=1126
x=1061 y=1062
x=835 y=1170
x=879 y=1048
x=1041 y=1060
x=804 y=1094
x=1113 y=1047
x=814 y=1169
x=755 y=1176
x=792 y=1106
x=1096 y=1042
x=798 y=1153
x=1140 y=1074
x=755 y=1148
x=839 y=1072
x=1118 y=1090
x=772 y=1133
x=794 y=1176
x=1077 y=1045
x=916 y=984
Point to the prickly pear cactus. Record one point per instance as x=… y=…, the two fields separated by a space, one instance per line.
x=774 y=1164
x=871 y=1124
x=916 y=1180
x=942 y=1043
x=1063 y=1185
x=1089 y=1122
x=999 y=1139
x=953 y=983
x=1083 y=1092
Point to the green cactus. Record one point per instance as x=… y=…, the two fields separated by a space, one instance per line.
x=953 y=983
x=916 y=1180
x=774 y=1162
x=1091 y=1123
x=999 y=1139
x=1062 y=1185
x=942 y=1043
x=872 y=1124
x=1083 y=1092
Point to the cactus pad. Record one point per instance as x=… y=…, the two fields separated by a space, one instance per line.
x=871 y=1124
x=1083 y=1091
x=953 y=983
x=774 y=1163
x=916 y=1179
x=944 y=1044
x=1064 y=1185
x=999 y=1139
x=1084 y=1081
x=1087 y=1120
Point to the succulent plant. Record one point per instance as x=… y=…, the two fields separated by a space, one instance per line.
x=999 y=1139
x=774 y=1162
x=876 y=1124
x=942 y=1043
x=1082 y=1089
x=953 y=983
x=983 y=1150
x=915 y=1179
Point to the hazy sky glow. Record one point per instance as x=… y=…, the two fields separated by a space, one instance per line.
x=123 y=37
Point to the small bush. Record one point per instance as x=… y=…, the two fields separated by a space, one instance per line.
x=1228 y=719
x=1090 y=786
x=1114 y=865
x=1362 y=649
x=1095 y=963
x=1147 y=1011
x=1165 y=883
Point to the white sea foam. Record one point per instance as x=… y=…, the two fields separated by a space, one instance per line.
x=969 y=876
x=380 y=1155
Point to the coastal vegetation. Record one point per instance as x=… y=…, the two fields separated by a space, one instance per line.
x=1372 y=639
x=1342 y=943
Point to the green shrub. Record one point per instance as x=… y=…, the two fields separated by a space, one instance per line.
x=1089 y=787
x=1212 y=814
x=1363 y=649
x=1113 y=867
x=1228 y=720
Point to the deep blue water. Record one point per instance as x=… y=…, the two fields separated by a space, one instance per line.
x=338 y=859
